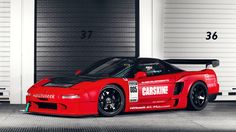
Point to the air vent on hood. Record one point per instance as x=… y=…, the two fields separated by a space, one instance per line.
x=52 y=84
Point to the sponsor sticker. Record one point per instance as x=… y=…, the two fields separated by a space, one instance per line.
x=133 y=91
x=155 y=81
x=149 y=107
x=49 y=96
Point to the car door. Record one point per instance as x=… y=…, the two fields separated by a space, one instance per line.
x=157 y=87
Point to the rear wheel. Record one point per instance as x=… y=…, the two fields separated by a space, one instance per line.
x=111 y=101
x=197 y=97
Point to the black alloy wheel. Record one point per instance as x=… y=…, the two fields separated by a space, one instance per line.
x=110 y=101
x=197 y=98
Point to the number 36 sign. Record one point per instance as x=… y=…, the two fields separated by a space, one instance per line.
x=211 y=35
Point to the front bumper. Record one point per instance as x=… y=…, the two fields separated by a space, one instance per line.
x=64 y=107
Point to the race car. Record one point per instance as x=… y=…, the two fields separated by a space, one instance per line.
x=125 y=84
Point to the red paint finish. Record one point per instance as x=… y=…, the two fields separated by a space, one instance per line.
x=153 y=93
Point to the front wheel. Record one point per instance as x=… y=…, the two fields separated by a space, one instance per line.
x=197 y=97
x=110 y=101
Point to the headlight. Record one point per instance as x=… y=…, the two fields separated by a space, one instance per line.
x=70 y=96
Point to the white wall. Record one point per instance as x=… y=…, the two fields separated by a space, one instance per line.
x=157 y=30
x=22 y=49
x=15 y=56
x=151 y=28
x=27 y=46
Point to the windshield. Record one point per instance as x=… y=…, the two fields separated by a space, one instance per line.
x=113 y=67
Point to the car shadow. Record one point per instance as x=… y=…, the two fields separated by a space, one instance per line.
x=123 y=114
x=142 y=113
x=61 y=116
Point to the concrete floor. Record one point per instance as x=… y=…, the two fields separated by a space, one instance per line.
x=218 y=116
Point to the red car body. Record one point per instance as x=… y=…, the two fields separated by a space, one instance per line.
x=141 y=93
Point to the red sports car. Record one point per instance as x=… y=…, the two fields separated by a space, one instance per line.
x=120 y=84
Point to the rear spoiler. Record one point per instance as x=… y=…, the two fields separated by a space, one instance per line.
x=207 y=62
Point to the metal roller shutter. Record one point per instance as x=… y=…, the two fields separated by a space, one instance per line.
x=186 y=23
x=71 y=34
x=4 y=49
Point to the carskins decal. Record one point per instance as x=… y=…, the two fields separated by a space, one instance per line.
x=133 y=91
x=155 y=90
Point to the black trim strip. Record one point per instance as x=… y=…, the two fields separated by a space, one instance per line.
x=231 y=93
x=5 y=101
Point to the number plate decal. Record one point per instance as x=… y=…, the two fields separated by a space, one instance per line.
x=133 y=91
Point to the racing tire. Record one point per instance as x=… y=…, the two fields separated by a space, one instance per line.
x=111 y=101
x=197 y=97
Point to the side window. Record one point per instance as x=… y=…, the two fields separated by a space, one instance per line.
x=152 y=69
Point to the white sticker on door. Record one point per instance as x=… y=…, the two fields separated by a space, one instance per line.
x=133 y=91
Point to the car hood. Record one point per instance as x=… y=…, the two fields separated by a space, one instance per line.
x=67 y=82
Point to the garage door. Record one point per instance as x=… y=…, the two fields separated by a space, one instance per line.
x=71 y=34
x=4 y=50
x=204 y=29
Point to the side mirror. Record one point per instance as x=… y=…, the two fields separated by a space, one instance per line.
x=140 y=74
x=77 y=72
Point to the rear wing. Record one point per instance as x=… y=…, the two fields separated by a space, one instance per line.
x=207 y=62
